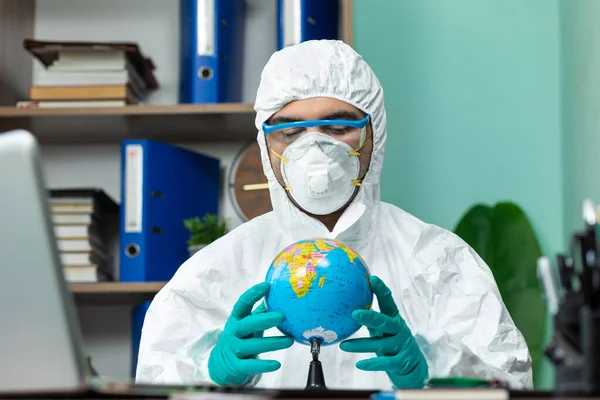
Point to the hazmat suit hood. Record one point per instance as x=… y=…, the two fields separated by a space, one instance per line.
x=444 y=291
x=324 y=68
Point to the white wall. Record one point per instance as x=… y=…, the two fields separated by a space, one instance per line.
x=107 y=338
x=153 y=24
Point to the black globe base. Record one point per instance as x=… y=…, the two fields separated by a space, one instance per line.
x=316 y=378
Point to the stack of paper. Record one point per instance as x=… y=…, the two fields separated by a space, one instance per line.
x=88 y=75
x=78 y=218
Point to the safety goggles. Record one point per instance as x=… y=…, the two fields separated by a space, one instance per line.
x=350 y=131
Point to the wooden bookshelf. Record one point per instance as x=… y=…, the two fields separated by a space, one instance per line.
x=170 y=123
x=110 y=293
x=347 y=22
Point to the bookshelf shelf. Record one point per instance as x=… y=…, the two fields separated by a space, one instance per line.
x=177 y=109
x=171 y=123
x=114 y=292
x=116 y=287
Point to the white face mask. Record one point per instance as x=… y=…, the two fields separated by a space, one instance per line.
x=320 y=172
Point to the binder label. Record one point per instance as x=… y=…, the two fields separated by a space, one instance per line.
x=133 y=187
x=205 y=33
x=292 y=19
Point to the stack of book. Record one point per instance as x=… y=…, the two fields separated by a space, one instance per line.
x=81 y=74
x=81 y=220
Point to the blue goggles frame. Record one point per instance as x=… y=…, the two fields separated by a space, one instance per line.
x=361 y=123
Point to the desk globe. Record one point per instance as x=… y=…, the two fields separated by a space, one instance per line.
x=316 y=284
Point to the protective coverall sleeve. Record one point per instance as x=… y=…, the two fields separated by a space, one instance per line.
x=183 y=357
x=470 y=331
x=186 y=318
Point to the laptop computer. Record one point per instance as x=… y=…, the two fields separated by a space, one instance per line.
x=40 y=341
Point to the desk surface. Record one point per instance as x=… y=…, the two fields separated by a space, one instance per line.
x=264 y=394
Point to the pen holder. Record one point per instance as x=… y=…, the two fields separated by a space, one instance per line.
x=577 y=340
x=590 y=345
x=564 y=350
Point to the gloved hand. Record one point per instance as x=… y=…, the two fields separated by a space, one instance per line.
x=398 y=353
x=233 y=360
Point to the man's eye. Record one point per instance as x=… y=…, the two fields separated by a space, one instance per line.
x=291 y=132
x=338 y=130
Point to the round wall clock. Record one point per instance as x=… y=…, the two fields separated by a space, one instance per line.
x=248 y=187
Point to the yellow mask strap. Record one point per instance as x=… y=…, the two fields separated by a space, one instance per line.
x=286 y=187
x=356 y=152
x=279 y=155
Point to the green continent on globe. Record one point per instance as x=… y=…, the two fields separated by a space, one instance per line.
x=302 y=260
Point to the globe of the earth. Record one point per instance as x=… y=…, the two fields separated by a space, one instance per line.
x=316 y=284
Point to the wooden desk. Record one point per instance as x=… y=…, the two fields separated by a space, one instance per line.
x=260 y=394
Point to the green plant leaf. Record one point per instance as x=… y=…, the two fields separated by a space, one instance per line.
x=475 y=228
x=504 y=238
x=205 y=230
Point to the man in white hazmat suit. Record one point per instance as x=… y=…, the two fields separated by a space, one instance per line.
x=322 y=130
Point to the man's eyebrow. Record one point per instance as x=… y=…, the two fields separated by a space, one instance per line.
x=282 y=119
x=343 y=114
x=335 y=115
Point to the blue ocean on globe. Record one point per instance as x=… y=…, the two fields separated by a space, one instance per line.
x=316 y=284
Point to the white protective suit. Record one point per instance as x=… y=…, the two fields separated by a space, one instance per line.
x=443 y=289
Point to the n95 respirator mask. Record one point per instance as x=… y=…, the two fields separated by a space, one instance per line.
x=320 y=173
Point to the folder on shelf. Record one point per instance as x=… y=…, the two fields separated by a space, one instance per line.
x=211 y=51
x=162 y=185
x=302 y=20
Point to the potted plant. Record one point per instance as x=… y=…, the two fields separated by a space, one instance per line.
x=204 y=231
x=503 y=236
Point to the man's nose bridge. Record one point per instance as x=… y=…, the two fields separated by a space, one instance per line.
x=320 y=129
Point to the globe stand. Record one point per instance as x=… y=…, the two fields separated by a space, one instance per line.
x=316 y=379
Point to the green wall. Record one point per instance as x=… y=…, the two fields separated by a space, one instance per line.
x=472 y=91
x=581 y=103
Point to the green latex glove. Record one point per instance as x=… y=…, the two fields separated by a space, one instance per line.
x=398 y=353
x=233 y=360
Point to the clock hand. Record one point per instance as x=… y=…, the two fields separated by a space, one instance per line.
x=255 y=186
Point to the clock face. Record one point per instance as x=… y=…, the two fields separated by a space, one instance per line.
x=248 y=187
